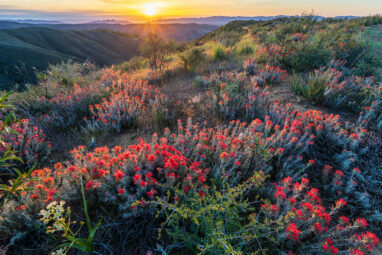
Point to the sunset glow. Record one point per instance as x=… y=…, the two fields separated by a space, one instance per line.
x=142 y=10
x=150 y=9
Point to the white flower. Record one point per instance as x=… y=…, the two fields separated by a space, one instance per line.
x=61 y=251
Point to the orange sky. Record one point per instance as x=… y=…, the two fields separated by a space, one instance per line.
x=134 y=10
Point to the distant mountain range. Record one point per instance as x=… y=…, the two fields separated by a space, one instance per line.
x=108 y=21
x=222 y=20
x=178 y=32
x=34 y=21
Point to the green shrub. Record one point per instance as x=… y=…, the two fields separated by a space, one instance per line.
x=368 y=66
x=306 y=57
x=370 y=62
x=193 y=59
x=133 y=64
x=296 y=84
x=316 y=89
x=228 y=93
x=244 y=50
x=69 y=73
x=215 y=222
x=219 y=53
x=312 y=89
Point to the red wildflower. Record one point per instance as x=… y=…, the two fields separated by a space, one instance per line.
x=274 y=208
x=121 y=191
x=361 y=222
x=34 y=196
x=356 y=252
x=344 y=219
x=136 y=178
x=318 y=227
x=89 y=185
x=340 y=203
x=357 y=170
x=143 y=184
x=224 y=155
x=119 y=175
x=293 y=231
x=308 y=207
x=280 y=193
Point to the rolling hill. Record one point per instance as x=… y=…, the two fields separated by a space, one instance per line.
x=178 y=32
x=23 y=49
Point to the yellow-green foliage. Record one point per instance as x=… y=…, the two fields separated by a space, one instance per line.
x=245 y=47
x=218 y=222
x=312 y=89
x=219 y=53
x=193 y=59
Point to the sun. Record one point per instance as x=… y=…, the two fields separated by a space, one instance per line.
x=150 y=9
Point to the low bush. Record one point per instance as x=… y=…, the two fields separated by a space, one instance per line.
x=335 y=86
x=245 y=48
x=296 y=223
x=67 y=74
x=250 y=67
x=193 y=59
x=371 y=116
x=305 y=57
x=231 y=94
x=219 y=53
x=65 y=109
x=27 y=141
x=271 y=54
x=312 y=89
x=272 y=74
x=132 y=65
x=125 y=105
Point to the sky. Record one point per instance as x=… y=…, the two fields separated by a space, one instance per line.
x=143 y=10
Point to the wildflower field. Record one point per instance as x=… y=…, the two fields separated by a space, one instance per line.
x=114 y=163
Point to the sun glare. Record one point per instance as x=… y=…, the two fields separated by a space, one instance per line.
x=149 y=10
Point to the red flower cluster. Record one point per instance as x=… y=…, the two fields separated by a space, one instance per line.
x=272 y=74
x=28 y=141
x=66 y=106
x=272 y=53
x=128 y=100
x=292 y=231
x=302 y=210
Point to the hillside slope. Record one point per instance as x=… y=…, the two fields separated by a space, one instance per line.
x=23 y=49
